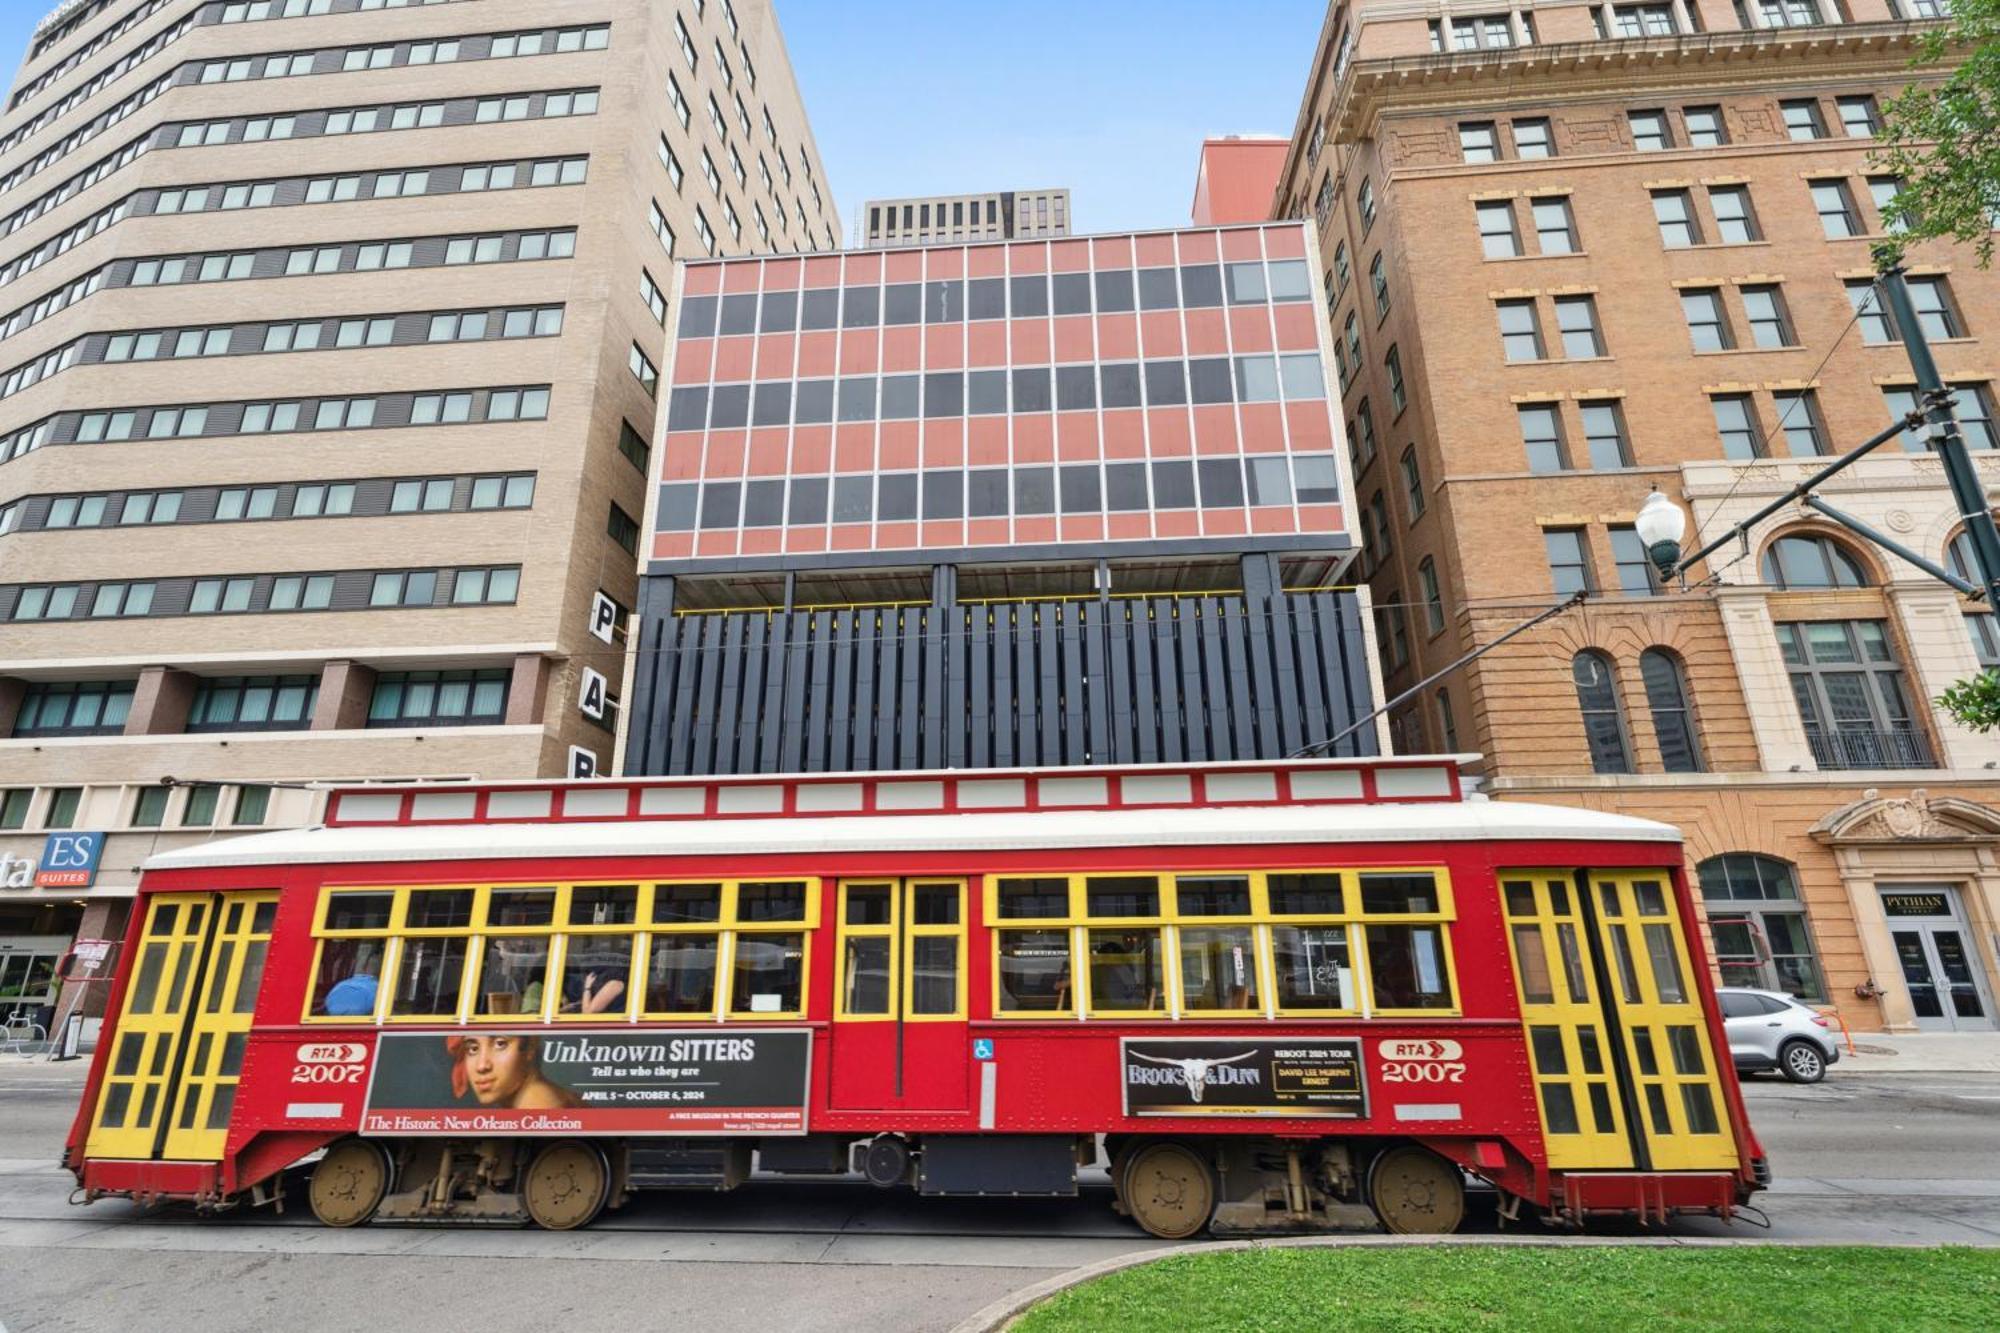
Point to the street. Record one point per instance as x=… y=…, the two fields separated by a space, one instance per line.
x=1862 y=1158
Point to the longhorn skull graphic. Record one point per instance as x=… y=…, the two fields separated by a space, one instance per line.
x=1194 y=1073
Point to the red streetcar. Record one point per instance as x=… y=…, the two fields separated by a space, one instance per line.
x=1286 y=996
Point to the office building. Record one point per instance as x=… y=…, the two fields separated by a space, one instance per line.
x=1038 y=502
x=1578 y=252
x=329 y=336
x=946 y=219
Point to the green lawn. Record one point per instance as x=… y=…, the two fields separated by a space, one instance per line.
x=1845 y=1289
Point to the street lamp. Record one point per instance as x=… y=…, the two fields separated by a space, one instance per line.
x=1661 y=524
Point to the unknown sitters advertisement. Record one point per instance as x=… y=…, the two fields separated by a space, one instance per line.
x=1254 y=1077
x=620 y=1081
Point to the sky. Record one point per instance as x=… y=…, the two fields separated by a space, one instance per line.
x=1111 y=98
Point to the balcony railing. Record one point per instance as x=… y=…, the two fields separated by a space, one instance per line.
x=1853 y=747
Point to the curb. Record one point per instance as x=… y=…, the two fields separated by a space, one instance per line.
x=1003 y=1312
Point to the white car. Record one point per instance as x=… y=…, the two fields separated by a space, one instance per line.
x=1769 y=1029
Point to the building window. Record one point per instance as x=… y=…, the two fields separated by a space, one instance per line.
x=1604 y=433
x=80 y=708
x=1770 y=322
x=1576 y=320
x=1735 y=220
x=1364 y=203
x=1981 y=625
x=1884 y=191
x=199 y=811
x=1533 y=139
x=1398 y=396
x=1705 y=126
x=253 y=703
x=1971 y=403
x=1499 y=238
x=253 y=805
x=1737 y=425
x=1650 y=131
x=1707 y=321
x=643 y=370
x=1378 y=279
x=1674 y=211
x=1364 y=435
x=1397 y=626
x=622 y=528
x=1858 y=116
x=1673 y=717
x=1427 y=579
x=1799 y=418
x=1603 y=719
x=1479 y=140
x=439 y=698
x=64 y=804
x=1803 y=119
x=1542 y=435
x=149 y=807
x=1649 y=20
x=1809 y=561
x=632 y=445
x=1759 y=925
x=1520 y=330
x=1555 y=226
x=1569 y=560
x=649 y=292
x=1851 y=695
x=1936 y=314
x=14 y=803
x=1413 y=484
x=1871 y=311
x=1447 y=724
x=1785 y=13
x=1637 y=575
x=1834 y=202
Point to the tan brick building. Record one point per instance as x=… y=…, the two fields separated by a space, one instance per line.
x=328 y=345
x=1003 y=215
x=1580 y=252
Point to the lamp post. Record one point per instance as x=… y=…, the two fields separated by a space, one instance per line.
x=1661 y=525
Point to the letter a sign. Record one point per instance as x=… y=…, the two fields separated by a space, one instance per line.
x=590 y=698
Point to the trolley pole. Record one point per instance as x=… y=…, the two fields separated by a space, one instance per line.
x=1941 y=427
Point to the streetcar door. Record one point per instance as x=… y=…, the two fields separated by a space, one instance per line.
x=1583 y=1118
x=899 y=1017
x=1674 y=1078
x=200 y=955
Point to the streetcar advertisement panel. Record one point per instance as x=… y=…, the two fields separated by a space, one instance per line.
x=615 y=1081
x=1281 y=1077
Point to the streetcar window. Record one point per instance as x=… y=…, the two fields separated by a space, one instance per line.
x=344 y=982
x=439 y=909
x=597 y=972
x=427 y=979
x=1666 y=964
x=1652 y=898
x=934 y=973
x=1125 y=970
x=1313 y=968
x=1212 y=895
x=868 y=905
x=1131 y=895
x=359 y=911
x=1407 y=966
x=680 y=976
x=1034 y=970
x=604 y=905
x=1027 y=899
x=771 y=902
x=512 y=974
x=769 y=975
x=1306 y=895
x=687 y=902
x=1532 y=955
x=1219 y=967
x=934 y=905
x=1398 y=894
x=866 y=966
x=521 y=908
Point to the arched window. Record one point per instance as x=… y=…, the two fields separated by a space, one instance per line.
x=1980 y=625
x=1603 y=720
x=1809 y=561
x=1759 y=924
x=1673 y=715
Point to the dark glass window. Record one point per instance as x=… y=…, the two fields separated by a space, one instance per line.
x=1118 y=384
x=813 y=402
x=677 y=506
x=1030 y=295
x=944 y=302
x=986 y=492
x=774 y=404
x=729 y=406
x=1317 y=478
x=1031 y=390
x=739 y=314
x=1603 y=718
x=819 y=308
x=944 y=494
x=253 y=703
x=1673 y=718
x=439 y=698
x=1081 y=491
x=808 y=501
x=1166 y=383
x=857 y=398
x=986 y=392
x=986 y=298
x=1212 y=380
x=853 y=499
x=763 y=504
x=1158 y=289
x=1076 y=388
x=1221 y=482
x=1072 y=293
x=1201 y=285
x=698 y=316
x=862 y=308
x=902 y=303
x=687 y=409
x=1173 y=485
x=897 y=498
x=719 y=503
x=899 y=397
x=89 y=708
x=780 y=313
x=1125 y=485
x=944 y=394
x=1114 y=290
x=1034 y=490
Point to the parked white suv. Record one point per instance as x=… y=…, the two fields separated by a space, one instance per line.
x=1769 y=1029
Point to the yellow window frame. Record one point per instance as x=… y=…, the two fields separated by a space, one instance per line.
x=846 y=931
x=957 y=931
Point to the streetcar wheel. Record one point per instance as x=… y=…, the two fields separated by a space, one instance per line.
x=1169 y=1190
x=1802 y=1062
x=348 y=1183
x=1416 y=1192
x=567 y=1186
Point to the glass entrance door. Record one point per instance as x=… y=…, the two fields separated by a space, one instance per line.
x=1939 y=961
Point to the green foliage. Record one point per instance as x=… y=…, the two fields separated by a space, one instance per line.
x=1943 y=139
x=1416 y=1288
x=1974 y=703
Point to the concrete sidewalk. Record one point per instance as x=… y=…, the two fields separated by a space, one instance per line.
x=1920 y=1053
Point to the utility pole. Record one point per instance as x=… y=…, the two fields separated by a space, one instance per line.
x=1941 y=430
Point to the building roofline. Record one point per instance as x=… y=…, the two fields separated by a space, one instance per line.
x=711 y=260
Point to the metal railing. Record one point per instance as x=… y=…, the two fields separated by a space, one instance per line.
x=1854 y=747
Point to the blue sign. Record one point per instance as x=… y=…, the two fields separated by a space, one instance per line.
x=69 y=861
x=982 y=1048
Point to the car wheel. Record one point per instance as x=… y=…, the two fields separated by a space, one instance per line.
x=1802 y=1062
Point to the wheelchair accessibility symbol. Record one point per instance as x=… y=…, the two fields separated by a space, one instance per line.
x=982 y=1048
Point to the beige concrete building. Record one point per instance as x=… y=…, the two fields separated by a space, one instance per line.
x=1582 y=251
x=1006 y=215
x=328 y=345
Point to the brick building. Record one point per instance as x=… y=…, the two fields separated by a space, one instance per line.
x=1037 y=502
x=328 y=345
x=1579 y=252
